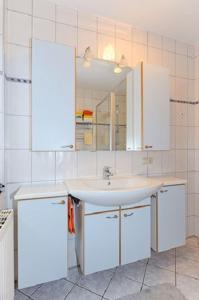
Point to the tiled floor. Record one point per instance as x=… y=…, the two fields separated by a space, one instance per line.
x=180 y=267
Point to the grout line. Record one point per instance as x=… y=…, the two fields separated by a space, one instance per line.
x=144 y=275
x=175 y=269
x=109 y=282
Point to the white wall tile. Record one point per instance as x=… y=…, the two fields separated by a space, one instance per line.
x=66 y=165
x=181 y=137
x=156 y=166
x=191 y=160
x=168 y=61
x=191 y=137
x=124 y=48
x=2 y=165
x=123 y=31
x=139 y=36
x=181 y=114
x=154 y=40
x=181 y=48
x=191 y=67
x=181 y=66
x=87 y=21
x=86 y=164
x=17 y=132
x=181 y=89
x=105 y=158
x=123 y=162
x=18 y=165
x=1 y=53
x=139 y=53
x=181 y=160
x=18 y=98
x=18 y=61
x=43 y=29
x=66 y=15
x=24 y=6
x=66 y=35
x=168 y=44
x=139 y=165
x=44 y=9
x=154 y=56
x=43 y=166
x=19 y=29
x=168 y=161
x=86 y=39
x=106 y=26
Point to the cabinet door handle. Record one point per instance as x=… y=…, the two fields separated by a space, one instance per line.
x=67 y=146
x=163 y=191
x=62 y=202
x=148 y=146
x=112 y=217
x=128 y=215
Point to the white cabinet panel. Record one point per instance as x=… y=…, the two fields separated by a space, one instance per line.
x=168 y=218
x=53 y=96
x=101 y=242
x=135 y=234
x=42 y=241
x=151 y=111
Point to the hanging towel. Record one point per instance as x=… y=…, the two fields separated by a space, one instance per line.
x=71 y=215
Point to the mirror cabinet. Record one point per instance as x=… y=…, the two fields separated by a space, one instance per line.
x=96 y=105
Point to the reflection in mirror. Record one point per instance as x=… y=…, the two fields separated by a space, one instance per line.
x=100 y=105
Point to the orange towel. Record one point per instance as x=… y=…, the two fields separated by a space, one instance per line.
x=71 y=217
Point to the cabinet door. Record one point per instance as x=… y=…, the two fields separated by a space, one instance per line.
x=156 y=108
x=101 y=241
x=171 y=217
x=42 y=241
x=135 y=234
x=53 y=96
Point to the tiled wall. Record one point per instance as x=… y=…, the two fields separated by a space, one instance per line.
x=2 y=203
x=44 y=20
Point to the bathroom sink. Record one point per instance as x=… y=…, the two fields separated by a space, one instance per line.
x=114 y=192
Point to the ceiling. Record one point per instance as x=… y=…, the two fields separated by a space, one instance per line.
x=178 y=19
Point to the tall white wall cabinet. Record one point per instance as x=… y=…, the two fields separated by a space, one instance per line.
x=53 y=96
x=168 y=218
x=151 y=108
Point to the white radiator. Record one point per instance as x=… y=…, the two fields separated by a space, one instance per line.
x=6 y=255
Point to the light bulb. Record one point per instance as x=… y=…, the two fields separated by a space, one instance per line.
x=117 y=69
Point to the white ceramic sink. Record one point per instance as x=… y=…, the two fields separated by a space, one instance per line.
x=114 y=192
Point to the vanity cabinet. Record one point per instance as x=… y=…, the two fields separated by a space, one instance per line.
x=168 y=218
x=42 y=240
x=151 y=108
x=135 y=234
x=53 y=96
x=110 y=236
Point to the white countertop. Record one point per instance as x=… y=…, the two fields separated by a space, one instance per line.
x=35 y=191
x=169 y=180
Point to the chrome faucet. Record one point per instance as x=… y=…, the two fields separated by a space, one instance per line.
x=107 y=173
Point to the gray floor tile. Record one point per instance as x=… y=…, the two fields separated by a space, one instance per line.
x=79 y=293
x=30 y=290
x=193 y=242
x=74 y=274
x=20 y=296
x=97 y=282
x=133 y=271
x=55 y=290
x=165 y=260
x=185 y=266
x=188 y=286
x=188 y=252
x=121 y=286
x=155 y=275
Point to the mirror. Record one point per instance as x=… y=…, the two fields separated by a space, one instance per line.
x=101 y=101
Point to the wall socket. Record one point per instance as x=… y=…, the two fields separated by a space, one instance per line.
x=147 y=160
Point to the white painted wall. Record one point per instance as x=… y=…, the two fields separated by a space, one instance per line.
x=44 y=20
